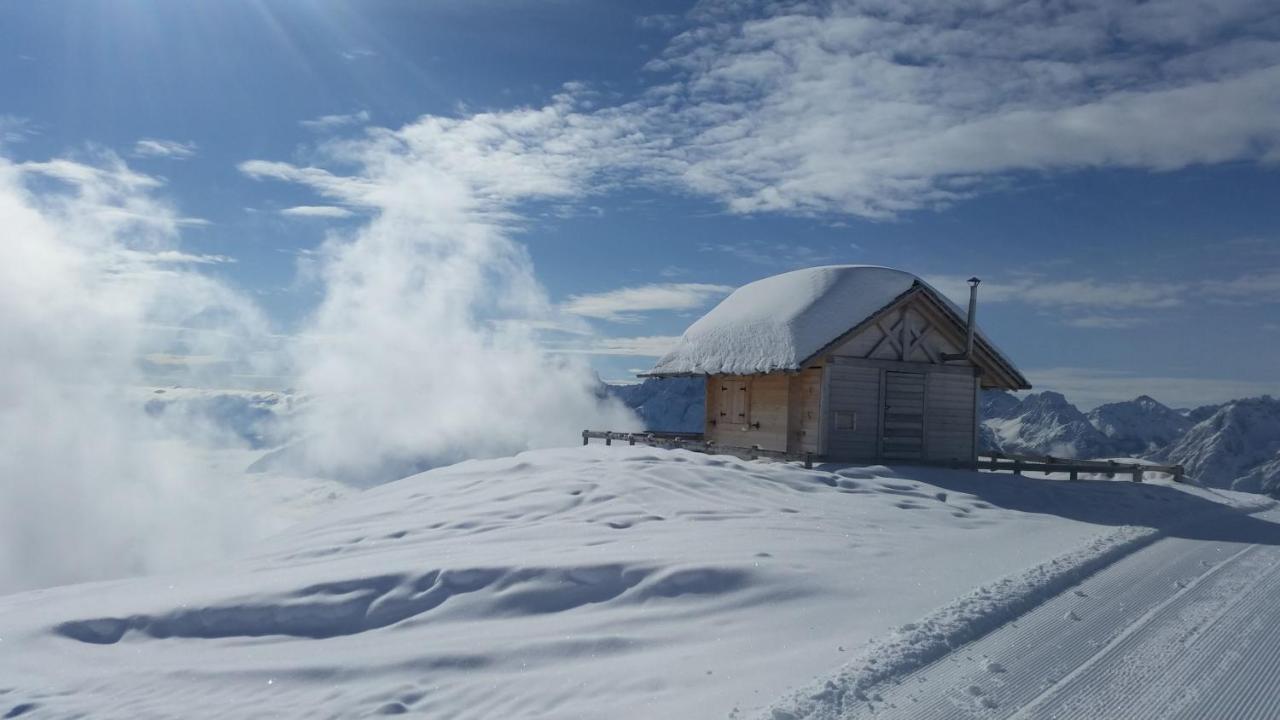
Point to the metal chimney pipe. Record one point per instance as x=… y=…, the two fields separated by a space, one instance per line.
x=973 y=317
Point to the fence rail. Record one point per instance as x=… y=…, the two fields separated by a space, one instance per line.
x=695 y=442
x=995 y=462
x=1018 y=464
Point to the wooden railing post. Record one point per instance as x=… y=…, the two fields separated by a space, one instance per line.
x=808 y=461
x=1137 y=473
x=585 y=437
x=608 y=438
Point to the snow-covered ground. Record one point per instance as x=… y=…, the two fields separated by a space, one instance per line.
x=590 y=582
x=1184 y=626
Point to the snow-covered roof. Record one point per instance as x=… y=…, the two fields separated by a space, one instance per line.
x=782 y=321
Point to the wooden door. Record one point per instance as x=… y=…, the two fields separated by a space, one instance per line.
x=902 y=435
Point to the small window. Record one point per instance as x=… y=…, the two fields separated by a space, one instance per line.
x=846 y=420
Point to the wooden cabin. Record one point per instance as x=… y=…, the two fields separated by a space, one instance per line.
x=847 y=362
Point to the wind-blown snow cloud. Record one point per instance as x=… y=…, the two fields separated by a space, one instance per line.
x=90 y=487
x=875 y=108
x=422 y=350
x=156 y=148
x=626 y=304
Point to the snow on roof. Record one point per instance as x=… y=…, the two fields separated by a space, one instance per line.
x=781 y=321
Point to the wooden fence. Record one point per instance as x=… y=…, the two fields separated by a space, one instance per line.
x=1018 y=464
x=995 y=462
x=695 y=442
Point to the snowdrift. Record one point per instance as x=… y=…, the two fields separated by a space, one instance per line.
x=590 y=582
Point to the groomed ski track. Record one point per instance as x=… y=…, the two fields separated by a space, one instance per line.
x=1185 y=627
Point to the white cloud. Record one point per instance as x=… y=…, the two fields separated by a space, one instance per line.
x=874 y=108
x=488 y=161
x=774 y=255
x=14 y=129
x=331 y=122
x=1105 y=322
x=174 y=257
x=156 y=148
x=1099 y=302
x=642 y=346
x=1260 y=287
x=109 y=192
x=317 y=211
x=110 y=178
x=664 y=22
x=349 y=189
x=1077 y=293
x=1090 y=387
x=624 y=304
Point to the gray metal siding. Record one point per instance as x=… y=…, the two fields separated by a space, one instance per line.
x=853 y=390
x=949 y=418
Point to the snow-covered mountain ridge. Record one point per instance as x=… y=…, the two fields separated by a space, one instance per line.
x=671 y=405
x=1236 y=446
x=1045 y=423
x=1139 y=426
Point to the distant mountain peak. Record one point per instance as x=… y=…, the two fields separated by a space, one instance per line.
x=1043 y=423
x=1140 y=426
x=1237 y=447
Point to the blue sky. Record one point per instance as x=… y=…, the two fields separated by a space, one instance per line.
x=1111 y=172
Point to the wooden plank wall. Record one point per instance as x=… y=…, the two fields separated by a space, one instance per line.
x=855 y=390
x=805 y=403
x=767 y=405
x=949 y=418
